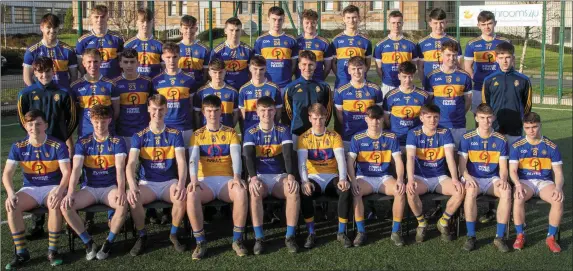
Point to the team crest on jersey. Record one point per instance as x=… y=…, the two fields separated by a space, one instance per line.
x=367 y=94
x=36 y=98
x=153 y=48
x=458 y=79
x=404 y=46
x=47 y=154
x=227 y=96
x=516 y=83
x=317 y=89
x=102 y=89
x=267 y=93
x=172 y=80
x=57 y=97
x=448 y=79
x=359 y=43
x=285 y=43
x=196 y=53
x=415 y=101
x=223 y=138
x=316 y=45
x=299 y=90
x=109 y=42
x=182 y=81
x=495 y=84
x=493 y=145
x=543 y=152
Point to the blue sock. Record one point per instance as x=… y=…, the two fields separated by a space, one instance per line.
x=173 y=229
x=259 y=233
x=360 y=224
x=290 y=231
x=111 y=237
x=519 y=228
x=110 y=214
x=309 y=225
x=199 y=235
x=85 y=236
x=342 y=225
x=238 y=233
x=396 y=225
x=471 y=226
x=500 y=230
x=552 y=230
x=142 y=232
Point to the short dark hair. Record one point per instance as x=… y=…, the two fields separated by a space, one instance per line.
x=310 y=14
x=145 y=14
x=217 y=64
x=266 y=101
x=485 y=15
x=374 y=112
x=356 y=61
x=350 y=9
x=395 y=13
x=99 y=9
x=437 y=14
x=276 y=11
x=33 y=115
x=128 y=53
x=211 y=101
x=43 y=64
x=157 y=99
x=233 y=21
x=170 y=47
x=258 y=61
x=308 y=55
x=317 y=109
x=505 y=48
x=407 y=67
x=429 y=108
x=484 y=108
x=50 y=20
x=451 y=45
x=188 y=20
x=531 y=117
x=100 y=111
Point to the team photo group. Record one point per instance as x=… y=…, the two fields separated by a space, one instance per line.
x=184 y=124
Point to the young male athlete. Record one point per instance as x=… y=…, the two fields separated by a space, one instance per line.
x=149 y=49
x=429 y=153
x=160 y=150
x=63 y=56
x=310 y=40
x=45 y=166
x=393 y=50
x=194 y=54
x=322 y=168
x=109 y=43
x=269 y=158
x=215 y=170
x=278 y=48
x=352 y=99
x=483 y=167
x=101 y=157
x=235 y=53
x=536 y=169
x=368 y=163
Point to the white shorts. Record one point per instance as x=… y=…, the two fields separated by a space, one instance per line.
x=431 y=183
x=483 y=183
x=511 y=139
x=158 y=187
x=39 y=193
x=457 y=134
x=375 y=182
x=187 y=137
x=536 y=185
x=99 y=193
x=346 y=146
x=322 y=179
x=271 y=180
x=127 y=143
x=216 y=183
x=476 y=99
x=385 y=89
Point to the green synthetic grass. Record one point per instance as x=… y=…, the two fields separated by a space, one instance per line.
x=378 y=254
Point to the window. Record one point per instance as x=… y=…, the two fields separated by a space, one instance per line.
x=393 y=5
x=111 y=9
x=172 y=8
x=7 y=10
x=566 y=36
x=182 y=8
x=294 y=5
x=327 y=6
x=40 y=12
x=23 y=15
x=429 y=5
x=376 y=5
x=243 y=7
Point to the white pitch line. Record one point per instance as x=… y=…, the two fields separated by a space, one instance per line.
x=556 y=109
x=12 y=124
x=25 y=217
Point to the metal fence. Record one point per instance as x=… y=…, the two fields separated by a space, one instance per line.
x=543 y=53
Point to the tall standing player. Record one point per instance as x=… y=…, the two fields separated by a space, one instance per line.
x=148 y=48
x=310 y=40
x=194 y=54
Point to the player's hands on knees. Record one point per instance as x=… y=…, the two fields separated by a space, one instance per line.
x=400 y=187
x=343 y=185
x=133 y=196
x=411 y=187
x=238 y=181
x=458 y=186
x=179 y=192
x=470 y=183
x=11 y=202
x=557 y=195
x=355 y=188
x=55 y=198
x=292 y=184
x=193 y=186
x=255 y=186
x=503 y=185
x=308 y=188
x=68 y=201
x=519 y=191
x=120 y=199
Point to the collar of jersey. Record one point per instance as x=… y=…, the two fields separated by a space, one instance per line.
x=315 y=134
x=477 y=131
x=146 y=39
x=100 y=141
x=442 y=70
x=99 y=36
x=211 y=85
x=123 y=76
x=100 y=76
x=540 y=140
x=407 y=92
x=193 y=43
x=512 y=69
x=178 y=72
x=313 y=37
x=160 y=132
x=424 y=132
x=377 y=137
x=282 y=33
x=272 y=128
x=45 y=139
x=255 y=85
x=399 y=38
x=492 y=39
x=231 y=47
x=443 y=36
x=44 y=43
x=363 y=84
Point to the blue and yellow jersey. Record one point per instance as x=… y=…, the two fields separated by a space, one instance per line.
x=236 y=62
x=268 y=147
x=110 y=45
x=374 y=155
x=449 y=91
x=177 y=89
x=482 y=52
x=279 y=51
x=99 y=159
x=215 y=151
x=353 y=101
x=148 y=53
x=229 y=101
x=321 y=48
x=250 y=93
x=404 y=110
x=429 y=49
x=90 y=93
x=133 y=94
x=535 y=161
x=390 y=53
x=157 y=153
x=430 y=151
x=345 y=47
x=320 y=149
x=194 y=58
x=62 y=55
x=40 y=164
x=483 y=154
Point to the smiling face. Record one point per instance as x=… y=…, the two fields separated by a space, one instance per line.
x=101 y=125
x=266 y=114
x=91 y=64
x=49 y=33
x=438 y=26
x=44 y=77
x=351 y=20
x=157 y=112
x=309 y=26
x=306 y=67
x=188 y=31
x=356 y=72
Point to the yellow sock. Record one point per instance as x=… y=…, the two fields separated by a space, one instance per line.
x=445 y=219
x=421 y=221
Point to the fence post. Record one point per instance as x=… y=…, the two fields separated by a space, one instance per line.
x=285 y=7
x=458 y=20
x=319 y=11
x=211 y=24
x=543 y=43
x=151 y=6
x=385 y=9
x=239 y=5
x=260 y=18
x=80 y=19
x=561 y=52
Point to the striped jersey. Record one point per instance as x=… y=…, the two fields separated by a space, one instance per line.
x=110 y=45
x=321 y=48
x=345 y=47
x=353 y=101
x=430 y=151
x=390 y=53
x=229 y=101
x=99 y=159
x=177 y=89
x=268 y=147
x=404 y=110
x=148 y=54
x=62 y=55
x=449 y=91
x=482 y=53
x=321 y=159
x=374 y=155
x=429 y=49
x=215 y=150
x=40 y=164
x=236 y=62
x=90 y=93
x=133 y=94
x=535 y=161
x=194 y=58
x=483 y=153
x=279 y=51
x=250 y=93
x=156 y=153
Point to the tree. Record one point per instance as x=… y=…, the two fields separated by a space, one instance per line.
x=123 y=17
x=69 y=19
